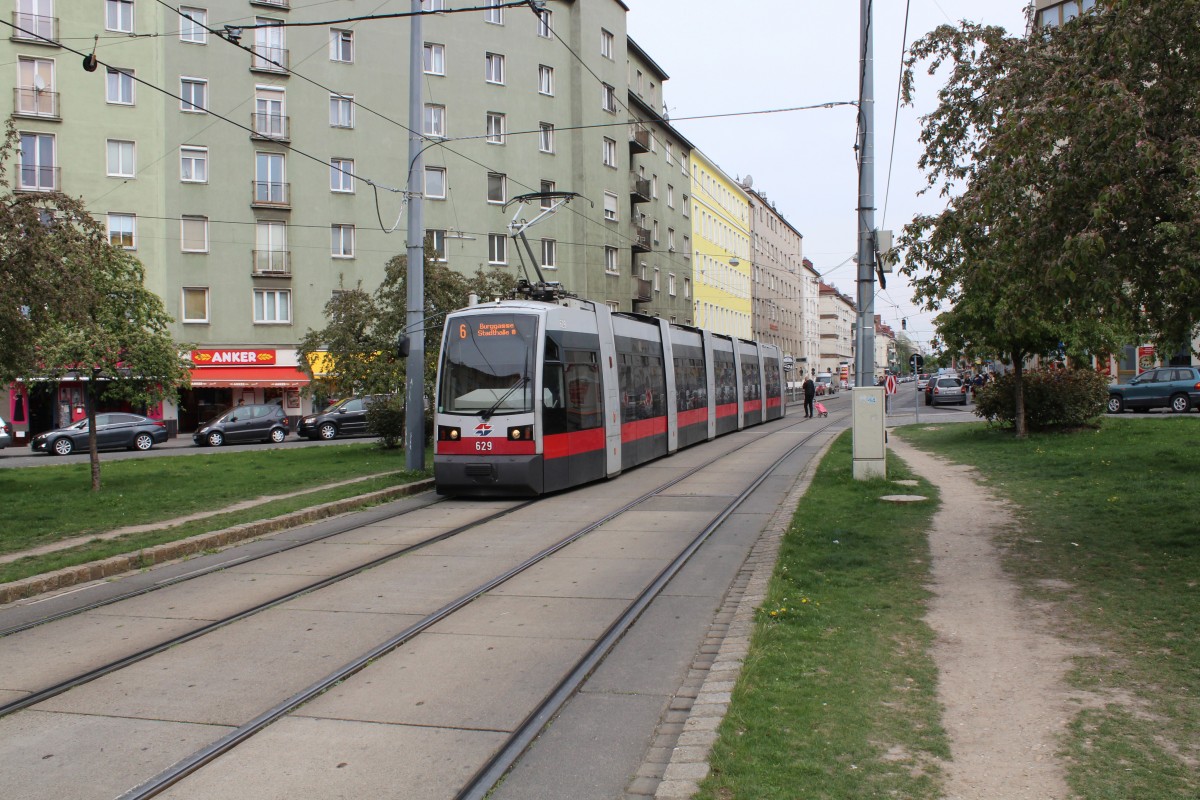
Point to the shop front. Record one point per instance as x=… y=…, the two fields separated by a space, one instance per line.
x=37 y=405
x=226 y=377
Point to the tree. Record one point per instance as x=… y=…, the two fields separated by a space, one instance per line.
x=73 y=305
x=1069 y=160
x=356 y=352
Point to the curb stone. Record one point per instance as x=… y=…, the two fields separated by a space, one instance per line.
x=171 y=551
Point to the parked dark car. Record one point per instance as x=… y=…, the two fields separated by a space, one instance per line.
x=260 y=422
x=115 y=431
x=1176 y=388
x=945 y=390
x=344 y=418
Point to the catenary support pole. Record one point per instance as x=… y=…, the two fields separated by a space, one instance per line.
x=865 y=340
x=414 y=402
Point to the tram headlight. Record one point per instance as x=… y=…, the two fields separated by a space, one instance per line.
x=448 y=434
x=521 y=433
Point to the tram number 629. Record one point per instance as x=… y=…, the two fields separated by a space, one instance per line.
x=483 y=445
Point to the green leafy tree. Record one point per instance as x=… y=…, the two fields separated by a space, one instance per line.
x=74 y=306
x=1069 y=162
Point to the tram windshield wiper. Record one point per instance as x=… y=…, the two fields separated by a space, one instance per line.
x=486 y=415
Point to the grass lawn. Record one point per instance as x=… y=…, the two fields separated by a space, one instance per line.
x=1111 y=535
x=837 y=698
x=48 y=504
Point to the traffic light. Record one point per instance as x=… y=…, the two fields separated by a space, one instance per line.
x=904 y=324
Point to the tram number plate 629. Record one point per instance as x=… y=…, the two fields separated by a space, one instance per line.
x=483 y=445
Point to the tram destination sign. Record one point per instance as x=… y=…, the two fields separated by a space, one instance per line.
x=490 y=329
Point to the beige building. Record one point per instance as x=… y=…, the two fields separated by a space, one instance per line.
x=777 y=275
x=837 y=331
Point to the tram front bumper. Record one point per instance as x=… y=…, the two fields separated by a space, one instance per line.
x=488 y=477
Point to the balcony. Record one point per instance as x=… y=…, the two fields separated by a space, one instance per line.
x=641 y=240
x=643 y=292
x=640 y=192
x=265 y=194
x=269 y=59
x=38 y=179
x=271 y=127
x=34 y=29
x=639 y=140
x=35 y=103
x=271 y=263
x=272 y=3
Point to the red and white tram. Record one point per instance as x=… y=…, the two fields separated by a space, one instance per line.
x=536 y=396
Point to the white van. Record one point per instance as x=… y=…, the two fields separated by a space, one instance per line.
x=826 y=384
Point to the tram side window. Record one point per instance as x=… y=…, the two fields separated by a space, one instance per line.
x=773 y=383
x=690 y=386
x=750 y=389
x=584 y=400
x=726 y=378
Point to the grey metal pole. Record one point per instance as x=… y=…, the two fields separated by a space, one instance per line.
x=865 y=340
x=414 y=404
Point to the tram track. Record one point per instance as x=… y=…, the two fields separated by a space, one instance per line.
x=527 y=730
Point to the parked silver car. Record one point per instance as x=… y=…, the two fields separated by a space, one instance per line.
x=6 y=434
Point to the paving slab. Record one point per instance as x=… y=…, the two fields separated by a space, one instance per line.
x=234 y=673
x=207 y=598
x=544 y=617
x=390 y=534
x=325 y=759
x=318 y=559
x=48 y=654
x=583 y=577
x=654 y=538
x=459 y=681
x=597 y=738
x=55 y=756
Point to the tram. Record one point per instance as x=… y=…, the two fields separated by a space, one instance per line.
x=537 y=396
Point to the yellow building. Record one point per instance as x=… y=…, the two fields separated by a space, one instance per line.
x=721 y=260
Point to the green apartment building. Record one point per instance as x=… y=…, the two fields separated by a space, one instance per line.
x=251 y=160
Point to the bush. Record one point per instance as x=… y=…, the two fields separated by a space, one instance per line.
x=1054 y=398
x=385 y=419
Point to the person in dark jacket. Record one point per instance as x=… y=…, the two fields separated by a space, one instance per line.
x=810 y=392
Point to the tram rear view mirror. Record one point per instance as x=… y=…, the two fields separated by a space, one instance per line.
x=402 y=345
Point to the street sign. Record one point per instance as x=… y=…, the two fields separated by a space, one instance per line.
x=892 y=386
x=789 y=363
x=916 y=361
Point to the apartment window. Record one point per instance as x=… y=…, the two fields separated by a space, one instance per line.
x=610 y=152
x=687 y=288
x=119 y=87
x=191 y=25
x=495 y=128
x=437 y=243
x=667 y=151
x=269 y=118
x=269 y=185
x=547 y=186
x=435 y=59
x=545 y=80
x=655 y=233
x=194 y=95
x=543 y=28
x=433 y=5
x=118 y=15
x=120 y=159
x=497 y=190
x=638 y=82
x=341 y=111
x=270 y=52
x=195 y=304
x=656 y=288
x=550 y=253
x=435 y=120
x=272 y=306
x=193 y=234
x=654 y=186
x=497 y=248
x=608 y=99
x=546 y=138
x=270 y=246
x=493 y=68
x=494 y=13
x=610 y=207
x=193 y=164
x=36 y=95
x=686 y=209
x=606 y=43
x=610 y=260
x=671 y=239
x=120 y=230
x=670 y=196
x=342 y=241
x=671 y=283
x=341 y=45
x=341 y=175
x=435 y=183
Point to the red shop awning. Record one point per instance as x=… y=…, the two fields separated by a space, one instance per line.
x=281 y=377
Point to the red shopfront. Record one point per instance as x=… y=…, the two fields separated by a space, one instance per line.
x=225 y=377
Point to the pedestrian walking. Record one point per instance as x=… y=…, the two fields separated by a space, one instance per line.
x=810 y=392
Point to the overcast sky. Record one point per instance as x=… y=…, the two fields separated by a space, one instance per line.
x=727 y=56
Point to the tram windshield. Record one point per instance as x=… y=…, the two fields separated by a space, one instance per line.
x=488 y=365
